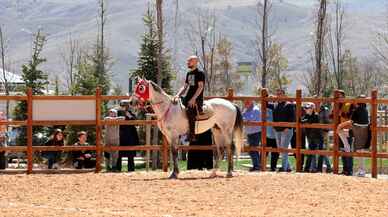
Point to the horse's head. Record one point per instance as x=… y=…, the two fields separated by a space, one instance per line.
x=141 y=94
x=142 y=90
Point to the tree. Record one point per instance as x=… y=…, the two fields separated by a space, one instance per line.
x=70 y=56
x=56 y=85
x=35 y=79
x=336 y=36
x=3 y=67
x=381 y=45
x=277 y=63
x=159 y=22
x=91 y=72
x=317 y=79
x=263 y=41
x=201 y=34
x=100 y=57
x=225 y=75
x=320 y=35
x=147 y=60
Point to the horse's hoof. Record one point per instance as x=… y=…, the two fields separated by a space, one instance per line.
x=213 y=175
x=229 y=175
x=173 y=176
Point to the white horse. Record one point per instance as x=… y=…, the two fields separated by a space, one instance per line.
x=226 y=122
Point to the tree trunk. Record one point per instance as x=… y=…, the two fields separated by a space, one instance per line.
x=159 y=15
x=5 y=79
x=319 y=47
x=264 y=35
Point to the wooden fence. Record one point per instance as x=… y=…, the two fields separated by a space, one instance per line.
x=164 y=148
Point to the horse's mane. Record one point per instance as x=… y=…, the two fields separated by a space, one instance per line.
x=159 y=89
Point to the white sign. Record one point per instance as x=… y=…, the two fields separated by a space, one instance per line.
x=64 y=110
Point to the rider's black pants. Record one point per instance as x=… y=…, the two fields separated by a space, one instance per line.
x=191 y=113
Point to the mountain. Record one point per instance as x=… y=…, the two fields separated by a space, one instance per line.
x=292 y=20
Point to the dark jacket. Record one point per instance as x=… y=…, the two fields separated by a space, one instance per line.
x=324 y=116
x=128 y=135
x=53 y=142
x=283 y=112
x=314 y=136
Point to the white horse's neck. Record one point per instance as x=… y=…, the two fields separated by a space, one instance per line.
x=160 y=103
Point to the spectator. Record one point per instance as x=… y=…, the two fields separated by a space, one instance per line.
x=199 y=160
x=3 y=141
x=314 y=136
x=359 y=124
x=128 y=137
x=57 y=139
x=271 y=141
x=345 y=135
x=83 y=159
x=252 y=113
x=303 y=138
x=283 y=111
x=112 y=138
x=324 y=118
x=271 y=138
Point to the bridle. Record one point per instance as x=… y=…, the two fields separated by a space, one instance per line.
x=142 y=92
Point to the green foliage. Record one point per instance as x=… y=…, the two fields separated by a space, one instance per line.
x=35 y=79
x=147 y=60
x=31 y=74
x=91 y=71
x=85 y=80
x=71 y=134
x=225 y=75
x=56 y=82
x=277 y=64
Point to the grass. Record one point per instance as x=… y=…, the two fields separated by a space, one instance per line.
x=242 y=164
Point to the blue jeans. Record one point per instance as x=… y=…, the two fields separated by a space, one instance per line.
x=283 y=139
x=323 y=159
x=52 y=158
x=311 y=163
x=254 y=141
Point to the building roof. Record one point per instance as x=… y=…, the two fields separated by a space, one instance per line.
x=11 y=77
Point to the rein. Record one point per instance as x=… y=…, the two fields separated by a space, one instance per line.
x=165 y=113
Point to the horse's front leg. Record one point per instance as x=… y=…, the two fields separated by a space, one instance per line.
x=174 y=150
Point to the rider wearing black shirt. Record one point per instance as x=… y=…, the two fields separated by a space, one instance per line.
x=194 y=85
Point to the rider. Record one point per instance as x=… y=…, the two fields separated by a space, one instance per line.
x=194 y=85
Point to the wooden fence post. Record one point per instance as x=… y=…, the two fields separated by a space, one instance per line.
x=29 y=132
x=263 y=153
x=298 y=130
x=98 y=130
x=165 y=147
x=336 y=119
x=374 y=132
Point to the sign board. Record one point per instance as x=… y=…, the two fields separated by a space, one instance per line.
x=64 y=110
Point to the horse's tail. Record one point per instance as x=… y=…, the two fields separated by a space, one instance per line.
x=238 y=132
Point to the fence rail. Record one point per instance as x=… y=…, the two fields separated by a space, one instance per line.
x=164 y=149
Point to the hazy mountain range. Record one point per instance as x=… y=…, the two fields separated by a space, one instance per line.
x=292 y=19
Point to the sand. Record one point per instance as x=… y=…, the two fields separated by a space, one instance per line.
x=151 y=194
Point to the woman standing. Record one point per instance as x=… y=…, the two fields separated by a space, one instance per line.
x=128 y=137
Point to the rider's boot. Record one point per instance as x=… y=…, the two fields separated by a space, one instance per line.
x=191 y=115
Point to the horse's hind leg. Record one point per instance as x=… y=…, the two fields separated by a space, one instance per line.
x=230 y=157
x=218 y=140
x=230 y=162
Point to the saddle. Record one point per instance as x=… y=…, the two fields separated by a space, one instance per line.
x=206 y=114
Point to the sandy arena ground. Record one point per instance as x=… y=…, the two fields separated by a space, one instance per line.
x=150 y=194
